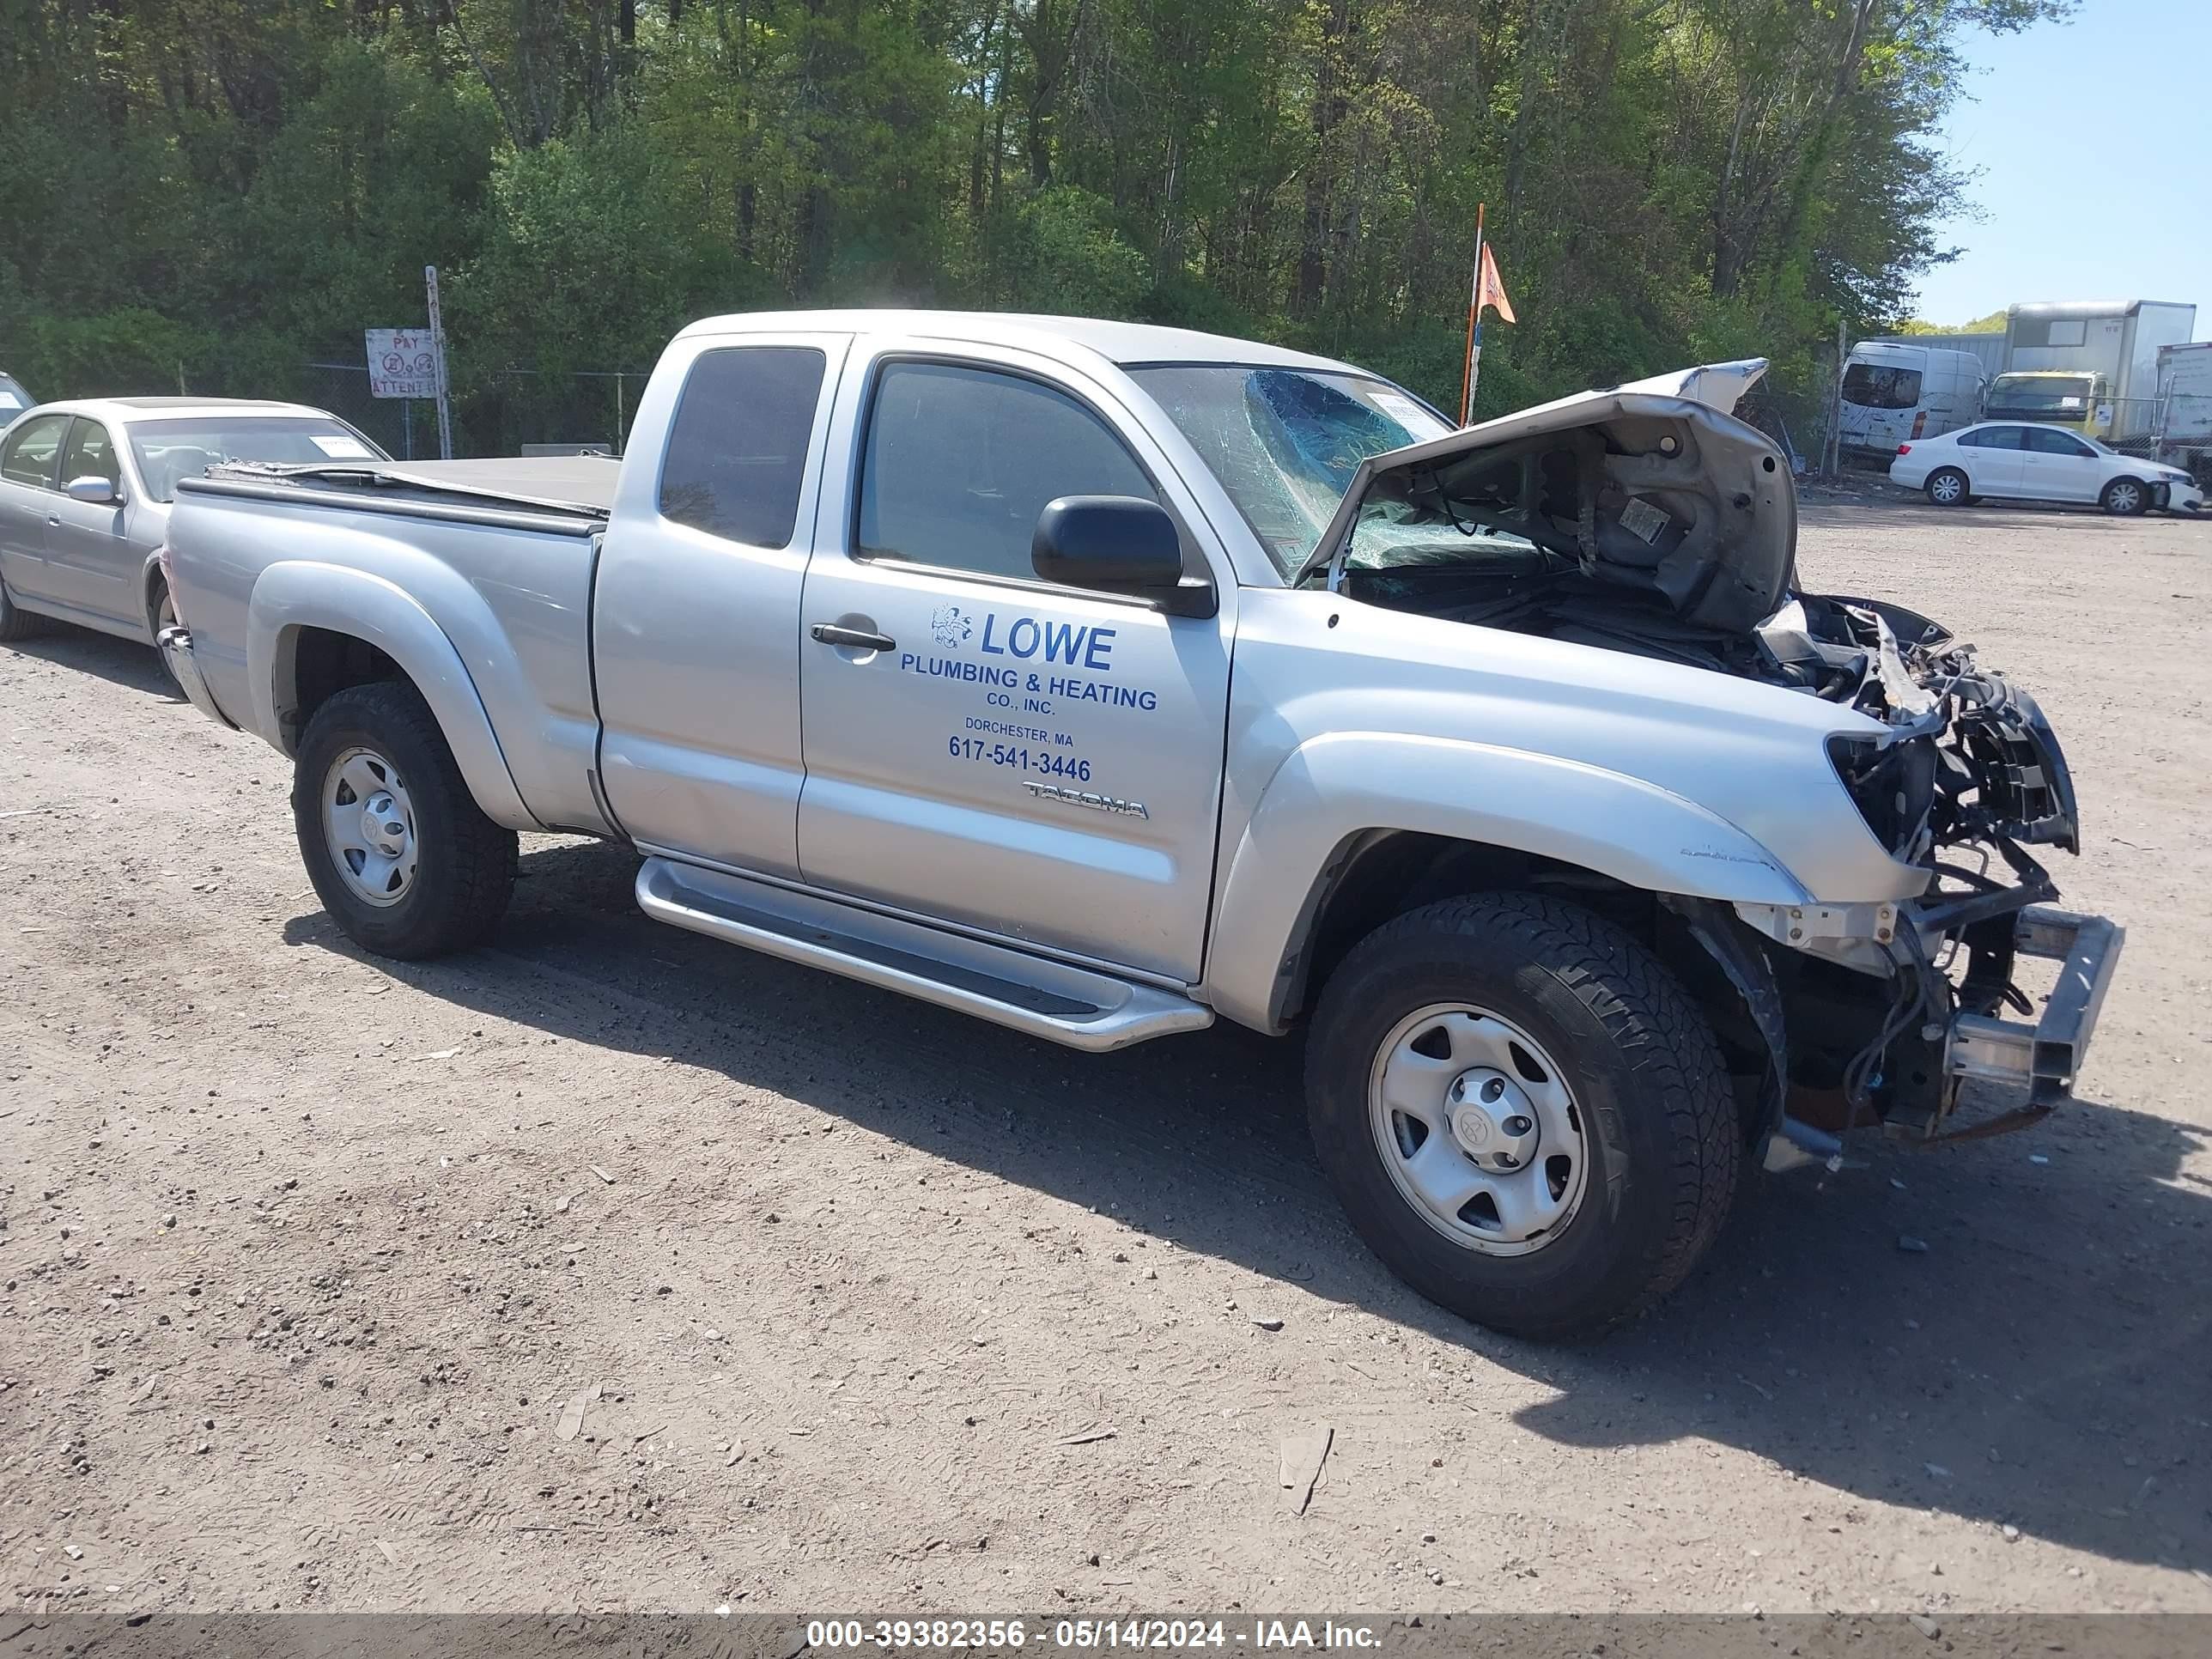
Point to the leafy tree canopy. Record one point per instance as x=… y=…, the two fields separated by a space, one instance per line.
x=220 y=193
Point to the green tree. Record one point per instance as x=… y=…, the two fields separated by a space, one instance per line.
x=236 y=187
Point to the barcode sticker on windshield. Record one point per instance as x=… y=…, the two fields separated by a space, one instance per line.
x=10 y=400
x=1643 y=520
x=1410 y=415
x=340 y=449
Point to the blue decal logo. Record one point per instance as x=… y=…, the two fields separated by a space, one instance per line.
x=952 y=626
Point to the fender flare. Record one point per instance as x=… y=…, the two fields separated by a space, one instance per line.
x=1333 y=790
x=296 y=594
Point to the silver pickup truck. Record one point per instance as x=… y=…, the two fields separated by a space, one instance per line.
x=1103 y=680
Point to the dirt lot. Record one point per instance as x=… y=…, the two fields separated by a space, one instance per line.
x=306 y=1254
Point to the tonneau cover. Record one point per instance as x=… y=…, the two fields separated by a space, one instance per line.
x=568 y=483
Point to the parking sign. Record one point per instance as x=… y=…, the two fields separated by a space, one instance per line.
x=402 y=364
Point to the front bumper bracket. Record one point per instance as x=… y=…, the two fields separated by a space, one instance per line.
x=2044 y=1057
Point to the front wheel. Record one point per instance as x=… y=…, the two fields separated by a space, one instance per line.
x=1522 y=1112
x=2123 y=498
x=401 y=855
x=1947 y=487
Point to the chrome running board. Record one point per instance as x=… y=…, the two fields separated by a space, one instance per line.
x=1077 y=1007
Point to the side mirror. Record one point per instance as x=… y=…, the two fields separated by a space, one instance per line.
x=93 y=491
x=1119 y=544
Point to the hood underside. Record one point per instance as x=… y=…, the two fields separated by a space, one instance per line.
x=1651 y=493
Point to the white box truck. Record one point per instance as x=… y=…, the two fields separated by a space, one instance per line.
x=2185 y=400
x=2091 y=365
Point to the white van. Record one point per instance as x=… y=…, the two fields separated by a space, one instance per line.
x=1895 y=394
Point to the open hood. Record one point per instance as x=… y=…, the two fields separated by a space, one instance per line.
x=1721 y=386
x=1651 y=490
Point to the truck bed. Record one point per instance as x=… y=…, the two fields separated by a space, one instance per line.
x=482 y=569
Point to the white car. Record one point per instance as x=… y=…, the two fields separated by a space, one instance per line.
x=2006 y=460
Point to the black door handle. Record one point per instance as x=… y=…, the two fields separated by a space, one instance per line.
x=857 y=638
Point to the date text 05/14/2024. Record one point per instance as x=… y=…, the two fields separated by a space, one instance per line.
x=895 y=1635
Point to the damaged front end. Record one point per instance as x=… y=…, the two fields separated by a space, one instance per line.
x=1647 y=519
x=1966 y=779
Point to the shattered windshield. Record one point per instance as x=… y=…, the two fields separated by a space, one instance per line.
x=1880 y=385
x=1284 y=442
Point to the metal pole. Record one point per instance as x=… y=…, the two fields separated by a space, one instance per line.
x=1835 y=466
x=438 y=358
x=1474 y=328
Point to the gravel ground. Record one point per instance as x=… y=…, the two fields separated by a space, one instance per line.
x=847 y=1302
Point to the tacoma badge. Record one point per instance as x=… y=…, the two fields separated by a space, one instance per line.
x=1127 y=809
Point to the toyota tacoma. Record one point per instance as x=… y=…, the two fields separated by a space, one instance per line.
x=1104 y=681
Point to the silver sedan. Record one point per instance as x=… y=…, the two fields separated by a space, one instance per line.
x=85 y=488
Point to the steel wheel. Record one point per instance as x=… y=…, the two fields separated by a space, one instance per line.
x=368 y=825
x=2124 y=497
x=1478 y=1129
x=1947 y=489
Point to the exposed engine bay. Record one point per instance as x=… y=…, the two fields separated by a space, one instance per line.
x=1651 y=524
x=1968 y=778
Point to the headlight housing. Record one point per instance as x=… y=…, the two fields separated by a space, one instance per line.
x=1893 y=786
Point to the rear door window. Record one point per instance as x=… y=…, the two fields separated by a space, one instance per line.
x=31 y=450
x=736 y=453
x=1993 y=437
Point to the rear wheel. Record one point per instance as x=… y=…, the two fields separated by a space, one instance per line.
x=2124 y=497
x=400 y=855
x=1947 y=487
x=1522 y=1112
x=161 y=613
x=15 y=623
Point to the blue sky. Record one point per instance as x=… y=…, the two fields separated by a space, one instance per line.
x=2090 y=141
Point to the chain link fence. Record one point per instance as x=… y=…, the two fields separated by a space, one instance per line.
x=515 y=407
x=2124 y=422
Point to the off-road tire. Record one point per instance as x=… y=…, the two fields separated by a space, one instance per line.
x=16 y=622
x=465 y=872
x=1659 y=1118
x=2113 y=495
x=1963 y=498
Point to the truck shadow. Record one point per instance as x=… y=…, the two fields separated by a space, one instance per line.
x=121 y=662
x=2041 y=1363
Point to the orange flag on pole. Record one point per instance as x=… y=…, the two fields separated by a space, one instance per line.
x=1489 y=290
x=1489 y=287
